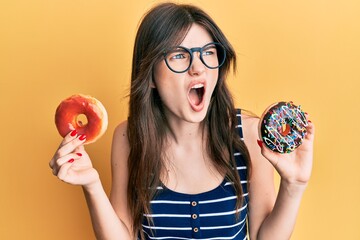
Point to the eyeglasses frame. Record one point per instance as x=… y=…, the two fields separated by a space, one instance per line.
x=193 y=50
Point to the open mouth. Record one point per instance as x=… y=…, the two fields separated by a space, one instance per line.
x=196 y=94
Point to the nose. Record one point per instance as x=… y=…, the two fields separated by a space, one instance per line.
x=197 y=66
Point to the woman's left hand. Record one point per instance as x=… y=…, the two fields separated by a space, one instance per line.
x=294 y=167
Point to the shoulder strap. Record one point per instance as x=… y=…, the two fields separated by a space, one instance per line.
x=239 y=123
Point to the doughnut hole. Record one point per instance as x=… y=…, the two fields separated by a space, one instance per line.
x=81 y=120
x=285 y=129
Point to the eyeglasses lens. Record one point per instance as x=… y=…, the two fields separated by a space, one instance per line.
x=178 y=59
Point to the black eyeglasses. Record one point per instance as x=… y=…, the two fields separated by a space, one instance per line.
x=179 y=59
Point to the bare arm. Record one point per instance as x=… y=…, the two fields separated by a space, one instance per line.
x=274 y=217
x=79 y=171
x=262 y=190
x=120 y=176
x=106 y=223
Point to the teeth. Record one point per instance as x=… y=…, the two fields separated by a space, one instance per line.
x=199 y=85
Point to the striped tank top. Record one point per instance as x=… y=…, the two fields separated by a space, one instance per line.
x=208 y=215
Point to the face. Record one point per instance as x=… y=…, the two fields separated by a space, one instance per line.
x=186 y=96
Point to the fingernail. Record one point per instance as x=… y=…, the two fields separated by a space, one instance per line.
x=73 y=133
x=309 y=121
x=79 y=154
x=71 y=160
x=82 y=137
x=260 y=143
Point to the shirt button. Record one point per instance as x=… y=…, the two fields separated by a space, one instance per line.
x=193 y=203
x=194 y=216
x=196 y=230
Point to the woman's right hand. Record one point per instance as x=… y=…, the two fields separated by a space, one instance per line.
x=72 y=164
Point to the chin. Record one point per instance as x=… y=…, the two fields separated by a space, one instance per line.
x=198 y=116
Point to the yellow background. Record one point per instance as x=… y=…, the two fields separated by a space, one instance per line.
x=304 y=51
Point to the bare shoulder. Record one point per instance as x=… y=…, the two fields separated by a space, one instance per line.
x=120 y=131
x=120 y=145
x=250 y=124
x=119 y=155
x=250 y=131
x=250 y=128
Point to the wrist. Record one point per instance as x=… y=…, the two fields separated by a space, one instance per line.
x=294 y=189
x=93 y=187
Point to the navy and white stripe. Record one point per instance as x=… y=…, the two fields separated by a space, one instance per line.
x=210 y=215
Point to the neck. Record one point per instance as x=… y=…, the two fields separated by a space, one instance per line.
x=184 y=133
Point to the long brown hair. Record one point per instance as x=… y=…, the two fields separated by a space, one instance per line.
x=163 y=26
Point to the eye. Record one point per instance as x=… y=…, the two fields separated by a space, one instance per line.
x=208 y=51
x=177 y=54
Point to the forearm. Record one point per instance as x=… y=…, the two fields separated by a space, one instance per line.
x=105 y=221
x=279 y=224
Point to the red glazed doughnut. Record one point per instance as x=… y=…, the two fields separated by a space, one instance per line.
x=282 y=127
x=90 y=109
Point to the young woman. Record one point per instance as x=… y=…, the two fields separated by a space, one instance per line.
x=181 y=163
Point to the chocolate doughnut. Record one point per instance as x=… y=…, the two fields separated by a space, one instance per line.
x=282 y=127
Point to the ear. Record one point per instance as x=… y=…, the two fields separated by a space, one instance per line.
x=152 y=83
